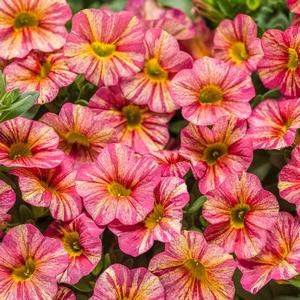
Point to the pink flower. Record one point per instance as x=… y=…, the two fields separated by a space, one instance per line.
x=135 y=125
x=162 y=61
x=279 y=67
x=27 y=143
x=81 y=239
x=30 y=264
x=119 y=282
x=64 y=293
x=118 y=186
x=279 y=260
x=211 y=90
x=44 y=73
x=82 y=134
x=163 y=223
x=53 y=188
x=216 y=153
x=236 y=43
x=104 y=56
x=273 y=123
x=26 y=25
x=240 y=212
x=189 y=268
x=294 y=6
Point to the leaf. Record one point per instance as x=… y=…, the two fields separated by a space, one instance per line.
x=198 y=203
x=25 y=213
x=184 y=5
x=253 y=4
x=84 y=285
x=175 y=127
x=98 y=269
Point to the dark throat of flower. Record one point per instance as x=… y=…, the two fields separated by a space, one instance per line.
x=25 y=20
x=211 y=94
x=214 y=152
x=19 y=150
x=238 y=214
x=24 y=271
x=133 y=116
x=71 y=242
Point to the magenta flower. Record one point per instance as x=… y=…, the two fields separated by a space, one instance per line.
x=294 y=6
x=64 y=293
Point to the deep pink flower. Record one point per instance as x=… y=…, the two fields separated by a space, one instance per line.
x=294 y=6
x=64 y=293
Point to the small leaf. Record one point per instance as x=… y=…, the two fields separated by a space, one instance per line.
x=198 y=203
x=253 y=4
x=84 y=285
x=176 y=127
x=106 y=261
x=25 y=213
x=98 y=269
x=39 y=212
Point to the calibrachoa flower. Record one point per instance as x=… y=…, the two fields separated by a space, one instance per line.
x=44 y=73
x=279 y=67
x=216 y=153
x=162 y=61
x=81 y=239
x=240 y=212
x=294 y=6
x=190 y=268
x=27 y=143
x=26 y=25
x=211 y=90
x=119 y=282
x=236 y=43
x=107 y=54
x=135 y=125
x=279 y=260
x=53 y=188
x=119 y=186
x=171 y=163
x=163 y=223
x=30 y=264
x=64 y=293
x=273 y=123
x=82 y=134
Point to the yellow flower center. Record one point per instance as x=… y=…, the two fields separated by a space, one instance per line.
x=155 y=217
x=238 y=214
x=77 y=138
x=45 y=70
x=71 y=242
x=25 y=271
x=26 y=19
x=154 y=70
x=19 y=150
x=213 y=152
x=195 y=268
x=133 y=116
x=238 y=52
x=293 y=61
x=118 y=190
x=210 y=94
x=103 y=50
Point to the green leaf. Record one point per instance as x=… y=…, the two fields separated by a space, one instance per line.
x=198 y=203
x=25 y=213
x=253 y=4
x=184 y=5
x=175 y=127
x=84 y=285
x=106 y=261
x=39 y=212
x=98 y=269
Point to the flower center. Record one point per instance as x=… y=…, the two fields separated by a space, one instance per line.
x=25 y=271
x=238 y=52
x=71 y=242
x=196 y=269
x=26 y=19
x=45 y=70
x=155 y=217
x=213 y=152
x=77 y=138
x=210 y=94
x=154 y=70
x=19 y=150
x=293 y=61
x=133 y=116
x=103 y=50
x=118 y=190
x=238 y=214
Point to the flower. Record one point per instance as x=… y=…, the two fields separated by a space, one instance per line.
x=135 y=125
x=190 y=268
x=279 y=66
x=163 y=223
x=118 y=186
x=106 y=55
x=162 y=61
x=53 y=188
x=119 y=282
x=216 y=153
x=211 y=90
x=29 y=264
x=27 y=25
x=279 y=260
x=44 y=73
x=81 y=239
x=294 y=6
x=64 y=293
x=171 y=163
x=273 y=123
x=27 y=143
x=236 y=43
x=240 y=212
x=82 y=134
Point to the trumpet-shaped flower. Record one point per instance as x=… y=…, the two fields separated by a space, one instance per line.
x=294 y=6
x=211 y=90
x=32 y=25
x=64 y=293
x=190 y=268
x=105 y=46
x=27 y=143
x=119 y=186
